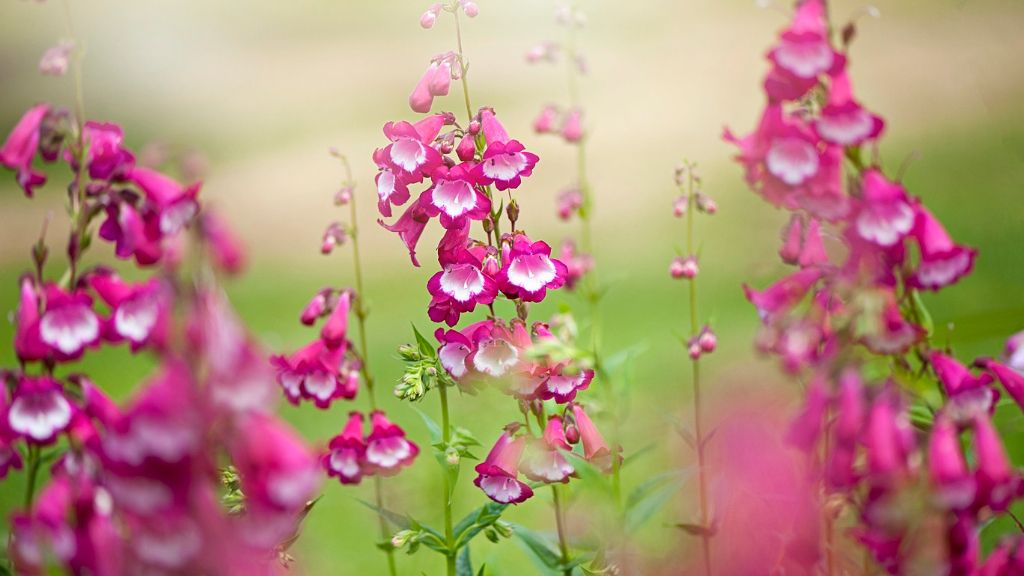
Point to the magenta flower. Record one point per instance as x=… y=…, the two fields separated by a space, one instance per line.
x=846 y=431
x=335 y=330
x=968 y=395
x=139 y=313
x=813 y=251
x=947 y=468
x=132 y=238
x=892 y=333
x=595 y=449
x=436 y=81
x=276 y=468
x=545 y=121
x=39 y=411
x=347 y=456
x=460 y=286
x=998 y=483
x=802 y=54
x=888 y=439
x=455 y=195
x=885 y=215
x=387 y=448
x=224 y=246
x=68 y=325
x=410 y=154
x=942 y=261
x=316 y=372
x=498 y=474
x=505 y=164
x=410 y=225
x=1012 y=381
x=107 y=157
x=792 y=240
x=545 y=461
x=530 y=271
x=172 y=205
x=561 y=385
x=392 y=189
x=21 y=147
x=807 y=426
x=456 y=350
x=27 y=344
x=784 y=294
x=572 y=126
x=843 y=121
x=497 y=349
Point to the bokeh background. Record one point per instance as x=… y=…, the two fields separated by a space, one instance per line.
x=263 y=89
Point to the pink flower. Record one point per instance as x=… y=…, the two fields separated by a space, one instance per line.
x=595 y=449
x=888 y=439
x=802 y=54
x=808 y=425
x=68 y=325
x=317 y=372
x=434 y=82
x=891 y=333
x=530 y=271
x=545 y=458
x=174 y=206
x=410 y=225
x=316 y=307
x=942 y=261
x=1012 y=381
x=968 y=395
x=498 y=475
x=813 y=252
x=546 y=119
x=27 y=344
x=277 y=470
x=132 y=238
x=505 y=164
x=21 y=146
x=223 y=245
x=392 y=189
x=1014 y=352
x=576 y=265
x=784 y=294
x=347 y=456
x=998 y=484
x=792 y=240
x=684 y=267
x=572 y=126
x=107 y=158
x=846 y=431
x=569 y=201
x=456 y=348
x=460 y=286
x=885 y=216
x=947 y=467
x=455 y=195
x=139 y=313
x=387 y=448
x=335 y=331
x=39 y=410
x=843 y=121
x=55 y=60
x=561 y=384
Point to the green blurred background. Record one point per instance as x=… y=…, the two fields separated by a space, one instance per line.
x=262 y=89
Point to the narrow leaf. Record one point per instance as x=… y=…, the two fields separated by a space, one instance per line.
x=538 y=547
x=432 y=426
x=644 y=509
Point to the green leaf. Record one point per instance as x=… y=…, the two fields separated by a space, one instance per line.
x=425 y=346
x=636 y=454
x=396 y=519
x=923 y=315
x=656 y=482
x=480 y=572
x=432 y=426
x=590 y=474
x=476 y=521
x=538 y=547
x=643 y=509
x=463 y=564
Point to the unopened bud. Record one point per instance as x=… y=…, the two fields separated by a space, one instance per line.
x=315 y=308
x=452 y=457
x=503 y=528
x=334 y=235
x=693 y=349
x=409 y=352
x=470 y=8
x=343 y=197
x=572 y=434
x=401 y=538
x=492 y=535
x=705 y=204
x=680 y=206
x=474 y=127
x=427 y=20
x=684 y=267
x=707 y=340
x=512 y=210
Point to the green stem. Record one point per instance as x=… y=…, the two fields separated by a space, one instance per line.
x=446 y=436
x=563 y=541
x=695 y=363
x=34 y=462
x=463 y=67
x=364 y=369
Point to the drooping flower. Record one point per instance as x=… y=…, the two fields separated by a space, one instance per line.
x=968 y=395
x=784 y=294
x=498 y=474
x=942 y=261
x=561 y=384
x=998 y=484
x=572 y=126
x=410 y=226
x=139 y=312
x=947 y=468
x=460 y=286
x=39 y=410
x=317 y=372
x=387 y=448
x=545 y=461
x=843 y=120
x=595 y=449
x=885 y=215
x=277 y=470
x=802 y=54
x=346 y=457
x=21 y=146
x=107 y=158
x=68 y=324
x=335 y=330
x=173 y=205
x=1012 y=381
x=530 y=271
x=410 y=153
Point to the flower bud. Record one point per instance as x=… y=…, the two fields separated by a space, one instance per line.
x=427 y=20
x=512 y=211
x=492 y=535
x=343 y=196
x=470 y=8
x=334 y=235
x=452 y=457
x=401 y=538
x=466 y=149
x=707 y=340
x=503 y=528
x=316 y=307
x=694 y=348
x=680 y=205
x=572 y=126
x=545 y=121
x=55 y=60
x=684 y=267
x=572 y=434
x=705 y=204
x=474 y=127
x=409 y=352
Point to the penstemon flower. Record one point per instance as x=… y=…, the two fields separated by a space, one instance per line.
x=865 y=247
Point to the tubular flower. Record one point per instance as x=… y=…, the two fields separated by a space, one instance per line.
x=955 y=486
x=21 y=146
x=317 y=372
x=843 y=121
x=802 y=54
x=545 y=461
x=387 y=448
x=505 y=163
x=171 y=206
x=68 y=325
x=460 y=286
x=969 y=395
x=139 y=313
x=455 y=195
x=346 y=458
x=39 y=411
x=942 y=261
x=530 y=271
x=498 y=474
x=595 y=449
x=998 y=483
x=276 y=468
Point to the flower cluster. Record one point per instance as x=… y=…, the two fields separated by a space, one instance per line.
x=850 y=320
x=134 y=487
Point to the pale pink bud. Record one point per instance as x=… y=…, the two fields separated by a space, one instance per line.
x=569 y=201
x=316 y=307
x=693 y=349
x=343 y=197
x=680 y=205
x=684 y=267
x=441 y=81
x=470 y=8
x=572 y=126
x=427 y=20
x=705 y=204
x=546 y=119
x=474 y=127
x=55 y=60
x=421 y=98
x=466 y=149
x=707 y=340
x=334 y=235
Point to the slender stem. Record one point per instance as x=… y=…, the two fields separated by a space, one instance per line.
x=695 y=363
x=79 y=216
x=34 y=462
x=446 y=436
x=830 y=561
x=563 y=541
x=463 y=67
x=364 y=369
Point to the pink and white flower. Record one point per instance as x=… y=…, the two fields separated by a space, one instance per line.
x=410 y=225
x=317 y=372
x=461 y=284
x=505 y=163
x=884 y=216
x=843 y=121
x=498 y=474
x=802 y=54
x=595 y=449
x=387 y=448
x=943 y=262
x=529 y=270
x=139 y=313
x=346 y=458
x=171 y=206
x=39 y=410
x=68 y=324
x=107 y=158
x=968 y=395
x=455 y=195
x=545 y=459
x=277 y=469
x=410 y=154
